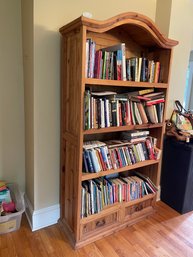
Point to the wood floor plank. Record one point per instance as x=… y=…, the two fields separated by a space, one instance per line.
x=155 y=237
x=164 y=234
x=149 y=246
x=7 y=252
x=106 y=248
x=90 y=250
x=122 y=247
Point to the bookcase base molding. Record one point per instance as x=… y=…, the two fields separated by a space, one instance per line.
x=114 y=87
x=110 y=220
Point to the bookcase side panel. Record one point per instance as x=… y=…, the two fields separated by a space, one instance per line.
x=73 y=85
x=71 y=129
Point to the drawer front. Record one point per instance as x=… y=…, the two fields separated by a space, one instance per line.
x=99 y=224
x=136 y=210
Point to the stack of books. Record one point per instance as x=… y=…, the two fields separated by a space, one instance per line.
x=96 y=157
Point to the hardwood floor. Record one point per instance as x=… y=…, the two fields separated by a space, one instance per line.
x=166 y=233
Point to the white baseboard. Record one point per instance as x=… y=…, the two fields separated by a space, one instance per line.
x=41 y=218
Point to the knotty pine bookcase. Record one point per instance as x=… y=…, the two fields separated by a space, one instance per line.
x=140 y=35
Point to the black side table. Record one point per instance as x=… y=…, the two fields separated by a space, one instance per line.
x=177 y=175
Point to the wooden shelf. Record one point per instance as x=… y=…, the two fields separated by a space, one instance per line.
x=120 y=83
x=86 y=176
x=121 y=128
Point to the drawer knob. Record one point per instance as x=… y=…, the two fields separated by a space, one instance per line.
x=100 y=223
x=139 y=207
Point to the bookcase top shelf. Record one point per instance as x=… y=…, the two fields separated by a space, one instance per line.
x=121 y=83
x=134 y=24
x=122 y=128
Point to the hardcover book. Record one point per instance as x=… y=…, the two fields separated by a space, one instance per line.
x=119 y=50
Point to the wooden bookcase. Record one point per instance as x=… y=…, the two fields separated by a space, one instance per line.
x=139 y=34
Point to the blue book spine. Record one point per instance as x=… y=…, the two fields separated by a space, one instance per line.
x=88 y=161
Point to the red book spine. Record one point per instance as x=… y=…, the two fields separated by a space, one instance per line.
x=103 y=164
x=119 y=158
x=150 y=149
x=161 y=100
x=120 y=116
x=113 y=158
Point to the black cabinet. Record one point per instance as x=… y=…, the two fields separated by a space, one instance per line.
x=177 y=175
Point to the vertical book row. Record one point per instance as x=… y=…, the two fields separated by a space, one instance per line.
x=111 y=63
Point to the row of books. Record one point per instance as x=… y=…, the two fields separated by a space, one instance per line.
x=141 y=69
x=111 y=63
x=113 y=154
x=106 y=63
x=104 y=191
x=107 y=109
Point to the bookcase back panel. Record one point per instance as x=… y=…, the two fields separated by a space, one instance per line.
x=151 y=171
x=164 y=57
x=157 y=133
x=118 y=89
x=114 y=37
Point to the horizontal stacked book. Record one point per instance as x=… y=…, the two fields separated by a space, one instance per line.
x=111 y=63
x=101 y=192
x=114 y=154
x=108 y=108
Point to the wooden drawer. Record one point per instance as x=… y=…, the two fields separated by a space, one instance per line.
x=99 y=224
x=138 y=209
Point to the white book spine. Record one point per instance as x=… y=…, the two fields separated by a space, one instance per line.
x=102 y=113
x=87 y=59
x=117 y=107
x=123 y=62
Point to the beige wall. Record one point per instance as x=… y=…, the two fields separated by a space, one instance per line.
x=180 y=29
x=52 y=14
x=162 y=18
x=12 y=155
x=178 y=26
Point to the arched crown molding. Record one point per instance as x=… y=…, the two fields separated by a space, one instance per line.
x=128 y=18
